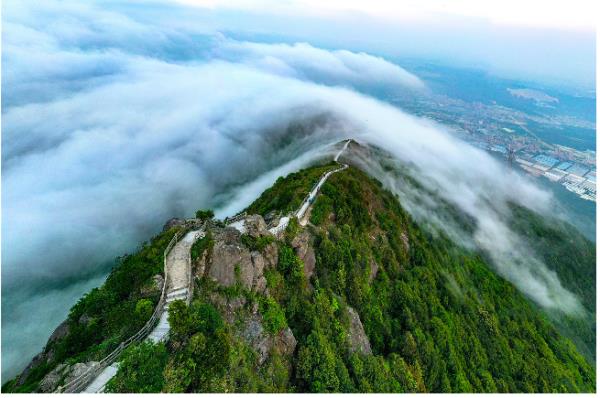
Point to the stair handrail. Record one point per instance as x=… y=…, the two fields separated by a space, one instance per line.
x=81 y=381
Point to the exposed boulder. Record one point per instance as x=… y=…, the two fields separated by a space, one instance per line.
x=173 y=222
x=36 y=361
x=271 y=255
x=271 y=218
x=404 y=238
x=231 y=260
x=254 y=334
x=61 y=331
x=50 y=382
x=256 y=226
x=228 y=307
x=303 y=248
x=85 y=319
x=64 y=372
x=357 y=338
x=154 y=287
x=199 y=264
x=47 y=355
x=286 y=342
x=373 y=268
x=229 y=253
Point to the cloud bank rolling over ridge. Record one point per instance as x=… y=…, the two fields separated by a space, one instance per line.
x=112 y=125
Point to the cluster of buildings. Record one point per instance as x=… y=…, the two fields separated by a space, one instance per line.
x=579 y=178
x=493 y=128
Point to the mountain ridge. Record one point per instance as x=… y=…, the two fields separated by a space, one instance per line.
x=362 y=299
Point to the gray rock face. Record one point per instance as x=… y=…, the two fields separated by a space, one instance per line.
x=256 y=226
x=405 y=242
x=153 y=288
x=271 y=219
x=286 y=342
x=37 y=360
x=159 y=282
x=63 y=371
x=357 y=338
x=78 y=369
x=173 y=222
x=228 y=252
x=50 y=382
x=271 y=255
x=199 y=265
x=230 y=261
x=61 y=331
x=303 y=248
x=263 y=343
x=373 y=270
x=48 y=354
x=229 y=255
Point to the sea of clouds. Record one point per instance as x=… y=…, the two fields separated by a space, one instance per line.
x=114 y=122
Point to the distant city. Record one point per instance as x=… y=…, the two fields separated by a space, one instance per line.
x=532 y=137
x=573 y=169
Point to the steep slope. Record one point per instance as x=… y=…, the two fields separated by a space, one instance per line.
x=362 y=299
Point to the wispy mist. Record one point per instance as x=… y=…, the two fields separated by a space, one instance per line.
x=112 y=125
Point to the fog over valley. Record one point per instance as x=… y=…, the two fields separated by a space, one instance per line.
x=114 y=123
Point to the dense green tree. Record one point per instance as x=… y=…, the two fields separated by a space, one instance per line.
x=140 y=369
x=205 y=214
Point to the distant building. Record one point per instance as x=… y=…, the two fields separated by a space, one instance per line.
x=564 y=166
x=578 y=170
x=547 y=161
x=499 y=148
x=591 y=176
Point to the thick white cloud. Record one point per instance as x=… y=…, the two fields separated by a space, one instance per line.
x=322 y=66
x=113 y=126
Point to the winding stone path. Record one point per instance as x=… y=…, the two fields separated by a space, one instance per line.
x=178 y=281
x=303 y=213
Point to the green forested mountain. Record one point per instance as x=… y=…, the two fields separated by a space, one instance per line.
x=361 y=300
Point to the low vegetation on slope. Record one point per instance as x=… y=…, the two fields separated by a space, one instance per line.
x=568 y=253
x=103 y=318
x=456 y=324
x=361 y=300
x=435 y=318
x=287 y=193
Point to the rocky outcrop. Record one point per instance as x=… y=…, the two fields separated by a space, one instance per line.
x=253 y=333
x=249 y=326
x=231 y=261
x=404 y=238
x=271 y=218
x=271 y=255
x=228 y=254
x=47 y=355
x=173 y=222
x=256 y=226
x=303 y=248
x=373 y=269
x=65 y=373
x=154 y=287
x=199 y=265
x=36 y=361
x=357 y=338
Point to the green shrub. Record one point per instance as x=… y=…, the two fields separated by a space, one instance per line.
x=201 y=245
x=205 y=214
x=257 y=244
x=273 y=315
x=140 y=369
